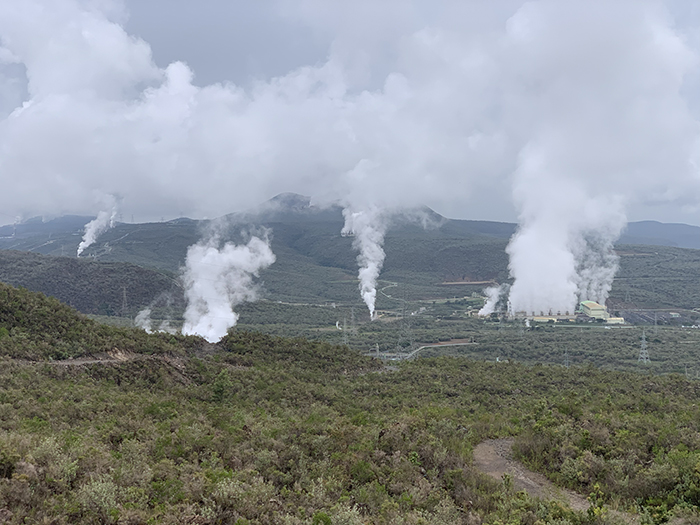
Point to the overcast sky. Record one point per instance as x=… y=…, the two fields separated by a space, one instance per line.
x=479 y=109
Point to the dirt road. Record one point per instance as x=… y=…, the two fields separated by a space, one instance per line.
x=495 y=458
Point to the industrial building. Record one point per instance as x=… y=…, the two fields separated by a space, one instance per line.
x=599 y=312
x=587 y=311
x=594 y=310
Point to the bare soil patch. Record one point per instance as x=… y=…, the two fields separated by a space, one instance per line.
x=495 y=458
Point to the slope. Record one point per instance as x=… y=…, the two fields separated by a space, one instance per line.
x=87 y=285
x=33 y=326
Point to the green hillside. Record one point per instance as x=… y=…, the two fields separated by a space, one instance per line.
x=266 y=430
x=657 y=277
x=315 y=264
x=87 y=285
x=33 y=326
x=426 y=271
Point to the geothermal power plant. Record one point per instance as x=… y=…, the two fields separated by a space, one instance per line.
x=587 y=311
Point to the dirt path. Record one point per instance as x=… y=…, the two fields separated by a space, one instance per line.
x=495 y=458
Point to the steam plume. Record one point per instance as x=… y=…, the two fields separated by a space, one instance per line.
x=164 y=303
x=600 y=124
x=562 y=252
x=143 y=320
x=597 y=265
x=96 y=227
x=496 y=299
x=369 y=227
x=216 y=279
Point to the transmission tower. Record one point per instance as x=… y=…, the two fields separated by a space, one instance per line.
x=405 y=340
x=124 y=303
x=567 y=361
x=643 y=352
x=345 y=331
x=353 y=324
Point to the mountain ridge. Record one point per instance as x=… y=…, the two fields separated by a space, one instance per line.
x=66 y=231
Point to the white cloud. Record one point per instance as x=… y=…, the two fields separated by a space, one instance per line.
x=435 y=101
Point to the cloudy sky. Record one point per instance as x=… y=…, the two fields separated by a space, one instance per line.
x=498 y=110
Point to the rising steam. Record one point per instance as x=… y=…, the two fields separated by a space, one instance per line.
x=496 y=300
x=562 y=253
x=602 y=129
x=597 y=265
x=368 y=227
x=163 y=303
x=143 y=320
x=216 y=279
x=579 y=110
x=96 y=227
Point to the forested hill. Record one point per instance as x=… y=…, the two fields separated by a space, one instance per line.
x=36 y=327
x=132 y=265
x=104 y=288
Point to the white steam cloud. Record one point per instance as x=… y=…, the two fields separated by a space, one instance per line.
x=99 y=118
x=143 y=320
x=580 y=110
x=603 y=131
x=216 y=279
x=496 y=300
x=368 y=228
x=96 y=227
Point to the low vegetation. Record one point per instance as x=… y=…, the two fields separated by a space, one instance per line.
x=266 y=430
x=36 y=327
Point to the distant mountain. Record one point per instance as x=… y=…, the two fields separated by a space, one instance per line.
x=662 y=234
x=315 y=263
x=38 y=226
x=62 y=235
x=650 y=233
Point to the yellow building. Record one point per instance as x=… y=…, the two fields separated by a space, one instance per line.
x=594 y=310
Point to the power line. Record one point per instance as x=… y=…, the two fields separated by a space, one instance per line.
x=643 y=352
